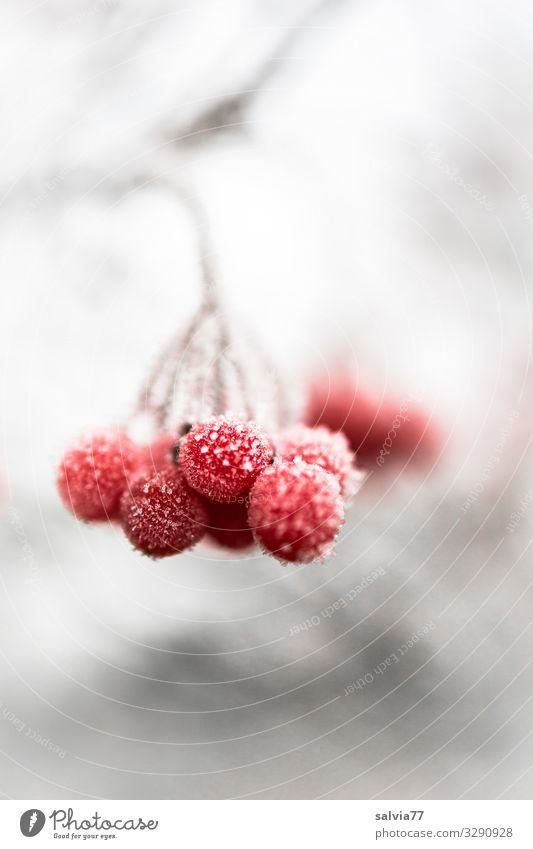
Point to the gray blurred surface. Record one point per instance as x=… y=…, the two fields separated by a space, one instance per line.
x=376 y=191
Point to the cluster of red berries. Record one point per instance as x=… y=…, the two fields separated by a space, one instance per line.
x=217 y=479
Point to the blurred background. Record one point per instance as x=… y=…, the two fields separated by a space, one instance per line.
x=366 y=171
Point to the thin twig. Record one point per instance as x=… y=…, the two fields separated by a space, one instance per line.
x=228 y=111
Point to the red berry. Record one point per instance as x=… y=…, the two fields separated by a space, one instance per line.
x=93 y=474
x=374 y=427
x=228 y=524
x=222 y=457
x=321 y=447
x=161 y=515
x=159 y=454
x=296 y=511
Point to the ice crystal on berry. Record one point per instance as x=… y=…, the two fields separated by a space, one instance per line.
x=161 y=515
x=222 y=457
x=93 y=474
x=321 y=447
x=296 y=511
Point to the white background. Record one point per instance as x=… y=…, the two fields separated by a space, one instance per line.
x=335 y=225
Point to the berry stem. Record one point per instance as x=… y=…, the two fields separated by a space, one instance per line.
x=198 y=373
x=210 y=294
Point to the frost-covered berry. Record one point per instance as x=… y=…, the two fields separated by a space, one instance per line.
x=159 y=454
x=228 y=524
x=161 y=515
x=321 y=447
x=93 y=474
x=222 y=457
x=296 y=511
